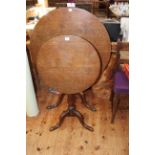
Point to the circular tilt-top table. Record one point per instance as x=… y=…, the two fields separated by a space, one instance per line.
x=70 y=48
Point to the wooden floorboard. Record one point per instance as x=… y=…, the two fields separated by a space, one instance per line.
x=72 y=138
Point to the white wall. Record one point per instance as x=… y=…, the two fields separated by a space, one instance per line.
x=31 y=101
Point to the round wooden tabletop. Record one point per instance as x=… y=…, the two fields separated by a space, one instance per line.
x=71 y=21
x=68 y=64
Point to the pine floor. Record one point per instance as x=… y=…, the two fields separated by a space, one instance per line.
x=72 y=138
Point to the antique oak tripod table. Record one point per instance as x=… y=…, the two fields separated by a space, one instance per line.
x=70 y=49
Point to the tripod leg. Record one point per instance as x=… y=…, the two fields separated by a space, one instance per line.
x=57 y=103
x=85 y=102
x=71 y=111
x=61 y=119
x=68 y=112
x=81 y=119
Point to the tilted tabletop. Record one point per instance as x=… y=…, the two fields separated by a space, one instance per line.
x=68 y=64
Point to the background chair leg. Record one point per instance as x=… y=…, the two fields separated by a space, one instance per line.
x=111 y=96
x=115 y=104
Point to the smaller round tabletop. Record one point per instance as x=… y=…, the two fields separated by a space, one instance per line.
x=68 y=64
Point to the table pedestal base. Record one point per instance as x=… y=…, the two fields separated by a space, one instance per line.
x=71 y=111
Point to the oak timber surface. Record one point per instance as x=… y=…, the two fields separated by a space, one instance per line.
x=79 y=22
x=68 y=63
x=72 y=138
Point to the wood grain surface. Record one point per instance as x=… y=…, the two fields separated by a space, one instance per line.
x=68 y=64
x=75 y=21
x=72 y=138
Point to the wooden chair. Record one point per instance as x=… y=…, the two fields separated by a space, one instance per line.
x=121 y=81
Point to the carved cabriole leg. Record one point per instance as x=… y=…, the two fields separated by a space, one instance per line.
x=81 y=119
x=61 y=119
x=65 y=113
x=115 y=104
x=86 y=103
x=57 y=103
x=74 y=112
x=111 y=97
x=71 y=111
